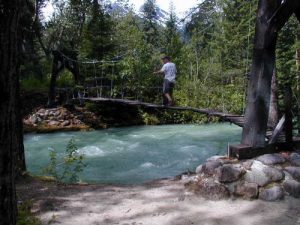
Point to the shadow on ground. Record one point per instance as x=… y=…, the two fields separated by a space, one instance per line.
x=162 y=202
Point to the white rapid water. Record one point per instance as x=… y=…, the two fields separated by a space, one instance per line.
x=135 y=154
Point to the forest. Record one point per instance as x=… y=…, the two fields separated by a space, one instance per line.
x=211 y=46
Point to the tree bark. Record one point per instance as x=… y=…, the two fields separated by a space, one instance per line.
x=10 y=129
x=273 y=112
x=272 y=15
x=288 y=126
x=59 y=63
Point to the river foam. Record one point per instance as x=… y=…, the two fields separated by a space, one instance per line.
x=134 y=154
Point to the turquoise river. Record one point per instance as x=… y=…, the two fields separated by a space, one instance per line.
x=137 y=154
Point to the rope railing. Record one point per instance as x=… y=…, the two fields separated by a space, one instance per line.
x=105 y=87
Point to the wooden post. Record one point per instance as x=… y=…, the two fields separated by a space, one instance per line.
x=273 y=112
x=271 y=16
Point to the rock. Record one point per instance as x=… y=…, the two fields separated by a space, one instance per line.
x=222 y=159
x=199 y=169
x=271 y=159
x=229 y=173
x=214 y=158
x=34 y=119
x=42 y=115
x=54 y=123
x=257 y=175
x=295 y=159
x=294 y=171
x=39 y=119
x=247 y=190
x=292 y=187
x=27 y=122
x=65 y=123
x=287 y=176
x=274 y=193
x=247 y=164
x=41 y=111
x=57 y=113
x=210 y=189
x=209 y=168
x=273 y=173
x=185 y=179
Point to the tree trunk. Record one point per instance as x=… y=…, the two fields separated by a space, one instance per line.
x=288 y=126
x=298 y=84
x=10 y=129
x=273 y=112
x=272 y=15
x=57 y=67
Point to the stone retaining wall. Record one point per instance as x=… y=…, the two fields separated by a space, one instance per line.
x=269 y=177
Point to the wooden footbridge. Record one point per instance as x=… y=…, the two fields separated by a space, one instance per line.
x=272 y=135
x=227 y=117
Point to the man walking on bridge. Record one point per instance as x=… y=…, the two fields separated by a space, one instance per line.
x=169 y=70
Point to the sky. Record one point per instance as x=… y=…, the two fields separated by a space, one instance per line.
x=181 y=6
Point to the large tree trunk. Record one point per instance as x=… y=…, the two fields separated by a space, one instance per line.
x=272 y=15
x=10 y=129
x=273 y=112
x=59 y=63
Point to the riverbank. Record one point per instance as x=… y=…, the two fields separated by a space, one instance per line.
x=92 y=116
x=164 y=202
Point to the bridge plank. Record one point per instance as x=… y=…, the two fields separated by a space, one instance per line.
x=232 y=118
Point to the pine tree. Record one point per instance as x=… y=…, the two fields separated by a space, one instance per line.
x=172 y=39
x=150 y=26
x=98 y=39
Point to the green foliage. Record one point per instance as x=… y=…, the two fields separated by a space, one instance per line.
x=25 y=217
x=32 y=83
x=150 y=26
x=97 y=38
x=68 y=168
x=212 y=54
x=150 y=119
x=65 y=79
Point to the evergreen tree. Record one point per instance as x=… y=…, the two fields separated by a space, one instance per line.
x=150 y=26
x=172 y=39
x=286 y=63
x=98 y=34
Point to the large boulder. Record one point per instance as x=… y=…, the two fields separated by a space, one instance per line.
x=271 y=159
x=295 y=159
x=294 y=171
x=257 y=174
x=273 y=173
x=229 y=173
x=274 y=193
x=198 y=169
x=210 y=189
x=209 y=168
x=292 y=187
x=247 y=190
x=34 y=119
x=247 y=164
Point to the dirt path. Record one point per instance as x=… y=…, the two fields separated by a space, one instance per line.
x=159 y=203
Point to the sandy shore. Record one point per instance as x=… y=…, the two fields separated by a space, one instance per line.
x=163 y=202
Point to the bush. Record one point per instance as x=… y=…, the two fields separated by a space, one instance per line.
x=25 y=217
x=32 y=83
x=68 y=169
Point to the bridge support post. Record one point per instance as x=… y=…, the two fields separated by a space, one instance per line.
x=271 y=17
